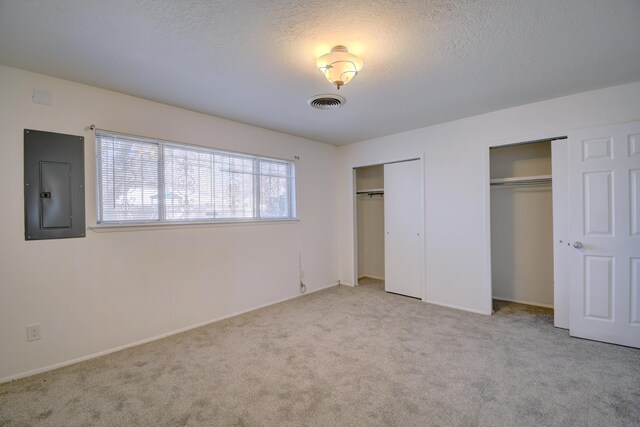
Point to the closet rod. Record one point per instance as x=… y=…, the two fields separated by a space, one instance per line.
x=523 y=183
x=371 y=193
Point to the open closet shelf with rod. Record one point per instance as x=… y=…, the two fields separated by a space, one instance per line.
x=522 y=180
x=371 y=192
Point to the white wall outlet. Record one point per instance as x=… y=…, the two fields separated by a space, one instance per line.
x=33 y=332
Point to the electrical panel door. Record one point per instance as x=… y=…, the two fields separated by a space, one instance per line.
x=53 y=185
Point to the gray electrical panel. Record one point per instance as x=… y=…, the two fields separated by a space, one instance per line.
x=53 y=185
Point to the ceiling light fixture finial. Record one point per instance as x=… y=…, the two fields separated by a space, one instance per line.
x=339 y=66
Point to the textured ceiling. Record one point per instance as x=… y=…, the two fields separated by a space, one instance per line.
x=425 y=61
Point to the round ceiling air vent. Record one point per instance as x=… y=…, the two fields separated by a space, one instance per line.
x=326 y=101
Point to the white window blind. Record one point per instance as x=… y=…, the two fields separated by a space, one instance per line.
x=141 y=180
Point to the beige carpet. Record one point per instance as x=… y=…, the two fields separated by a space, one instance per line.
x=346 y=357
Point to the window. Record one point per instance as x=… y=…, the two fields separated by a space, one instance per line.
x=144 y=181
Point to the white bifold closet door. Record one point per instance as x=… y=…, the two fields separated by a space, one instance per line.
x=403 y=227
x=604 y=180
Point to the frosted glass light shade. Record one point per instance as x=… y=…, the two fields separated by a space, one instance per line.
x=339 y=66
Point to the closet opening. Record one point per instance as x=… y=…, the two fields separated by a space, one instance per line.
x=389 y=226
x=369 y=182
x=522 y=248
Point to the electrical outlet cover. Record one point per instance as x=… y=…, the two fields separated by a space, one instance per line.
x=33 y=332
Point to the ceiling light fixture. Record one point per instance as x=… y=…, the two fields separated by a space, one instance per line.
x=339 y=66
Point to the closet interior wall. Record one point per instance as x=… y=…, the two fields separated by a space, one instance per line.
x=370 y=221
x=522 y=225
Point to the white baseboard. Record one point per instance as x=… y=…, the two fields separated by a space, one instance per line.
x=537 y=304
x=330 y=285
x=154 y=338
x=457 y=307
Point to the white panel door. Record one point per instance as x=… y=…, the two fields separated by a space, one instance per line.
x=403 y=227
x=604 y=180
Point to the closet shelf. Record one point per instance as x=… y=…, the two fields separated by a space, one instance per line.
x=522 y=180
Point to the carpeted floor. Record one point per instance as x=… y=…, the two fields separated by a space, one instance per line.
x=346 y=357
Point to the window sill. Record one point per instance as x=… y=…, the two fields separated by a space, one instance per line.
x=115 y=227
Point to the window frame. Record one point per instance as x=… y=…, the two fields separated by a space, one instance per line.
x=162 y=220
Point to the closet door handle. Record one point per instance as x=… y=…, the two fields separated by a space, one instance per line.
x=577 y=245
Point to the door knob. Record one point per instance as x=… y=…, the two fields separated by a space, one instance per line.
x=577 y=245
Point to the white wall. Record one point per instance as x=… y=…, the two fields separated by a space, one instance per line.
x=522 y=226
x=112 y=289
x=370 y=223
x=457 y=183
